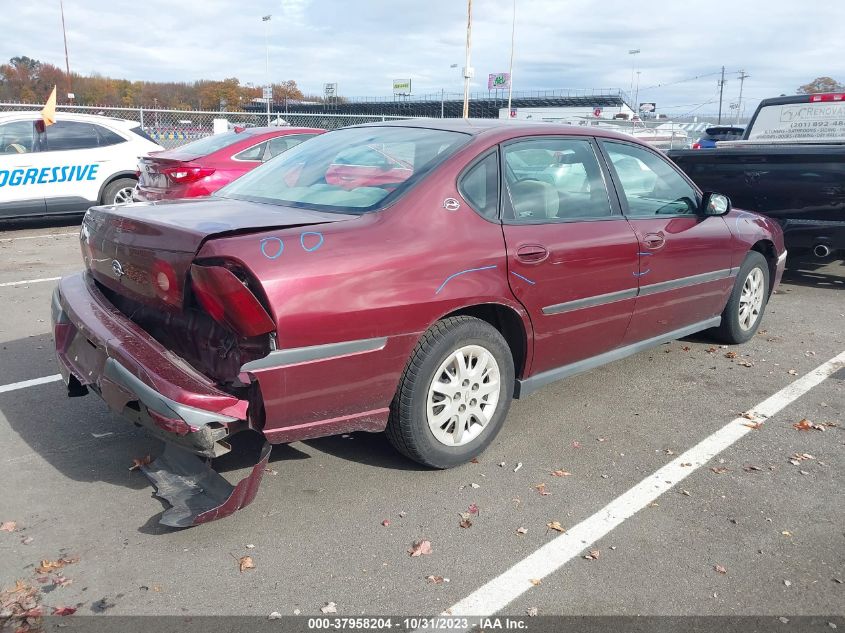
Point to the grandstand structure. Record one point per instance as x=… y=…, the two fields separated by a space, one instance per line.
x=485 y=105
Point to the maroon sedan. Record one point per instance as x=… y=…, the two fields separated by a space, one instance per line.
x=510 y=257
x=202 y=167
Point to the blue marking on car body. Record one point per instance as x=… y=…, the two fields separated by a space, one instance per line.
x=645 y=272
x=463 y=272
x=645 y=253
x=523 y=278
x=264 y=247
x=316 y=246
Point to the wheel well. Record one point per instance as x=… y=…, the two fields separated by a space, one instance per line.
x=117 y=176
x=767 y=249
x=509 y=324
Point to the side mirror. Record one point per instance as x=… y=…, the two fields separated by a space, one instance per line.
x=715 y=204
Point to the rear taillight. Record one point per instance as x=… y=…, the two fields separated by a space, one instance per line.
x=696 y=145
x=228 y=300
x=165 y=284
x=186 y=173
x=827 y=97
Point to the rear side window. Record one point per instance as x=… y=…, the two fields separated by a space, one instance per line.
x=480 y=186
x=283 y=143
x=208 y=145
x=107 y=137
x=68 y=135
x=140 y=132
x=255 y=153
x=16 y=137
x=556 y=179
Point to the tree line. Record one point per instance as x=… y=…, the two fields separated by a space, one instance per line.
x=28 y=80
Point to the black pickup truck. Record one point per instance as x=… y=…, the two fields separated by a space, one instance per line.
x=789 y=165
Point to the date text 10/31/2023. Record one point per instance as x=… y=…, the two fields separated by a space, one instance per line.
x=438 y=623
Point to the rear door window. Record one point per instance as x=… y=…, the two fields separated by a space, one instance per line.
x=68 y=135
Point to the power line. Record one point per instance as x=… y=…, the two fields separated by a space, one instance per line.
x=680 y=81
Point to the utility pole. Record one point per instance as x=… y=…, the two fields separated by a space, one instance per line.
x=266 y=20
x=742 y=78
x=467 y=68
x=510 y=69
x=67 y=61
x=721 y=92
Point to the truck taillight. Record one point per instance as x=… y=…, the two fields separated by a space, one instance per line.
x=228 y=300
x=186 y=173
x=827 y=97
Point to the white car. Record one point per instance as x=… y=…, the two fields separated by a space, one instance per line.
x=80 y=161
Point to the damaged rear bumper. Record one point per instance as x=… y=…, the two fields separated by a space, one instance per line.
x=99 y=349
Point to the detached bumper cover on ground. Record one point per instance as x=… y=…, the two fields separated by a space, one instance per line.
x=100 y=349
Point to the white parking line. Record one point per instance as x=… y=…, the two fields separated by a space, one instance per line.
x=6 y=284
x=502 y=590
x=30 y=383
x=35 y=237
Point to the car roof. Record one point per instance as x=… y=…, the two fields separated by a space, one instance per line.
x=281 y=130
x=503 y=128
x=71 y=116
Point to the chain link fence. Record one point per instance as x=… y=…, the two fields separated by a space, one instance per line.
x=172 y=128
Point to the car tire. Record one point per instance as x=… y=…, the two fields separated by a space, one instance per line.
x=119 y=191
x=744 y=310
x=420 y=409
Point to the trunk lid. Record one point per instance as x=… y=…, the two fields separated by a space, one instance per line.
x=144 y=251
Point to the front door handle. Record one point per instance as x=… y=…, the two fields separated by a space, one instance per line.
x=654 y=240
x=532 y=253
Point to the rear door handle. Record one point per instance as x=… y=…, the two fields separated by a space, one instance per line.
x=532 y=254
x=654 y=240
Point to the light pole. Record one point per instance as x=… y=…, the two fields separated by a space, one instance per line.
x=510 y=68
x=268 y=92
x=467 y=68
x=633 y=51
x=443 y=96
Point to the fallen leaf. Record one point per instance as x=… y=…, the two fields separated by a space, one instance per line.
x=560 y=473
x=751 y=468
x=556 y=526
x=420 y=548
x=245 y=562
x=576 y=444
x=521 y=531
x=593 y=554
x=474 y=460
x=330 y=607
x=48 y=566
x=710 y=350
x=719 y=470
x=745 y=363
x=686 y=348
x=27 y=540
x=473 y=509
x=140 y=461
x=61 y=581
x=435 y=580
x=806 y=425
x=8 y=526
x=466 y=522
x=541 y=488
x=536 y=581
x=64 y=610
x=720 y=569
x=730 y=354
x=386 y=522
x=754 y=426
x=786 y=533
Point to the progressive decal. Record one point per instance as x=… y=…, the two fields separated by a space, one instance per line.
x=47 y=175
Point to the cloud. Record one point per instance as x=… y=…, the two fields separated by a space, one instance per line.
x=364 y=44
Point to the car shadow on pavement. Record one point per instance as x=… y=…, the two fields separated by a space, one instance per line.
x=816 y=274
x=370 y=449
x=73 y=220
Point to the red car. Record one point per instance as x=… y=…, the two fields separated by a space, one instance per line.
x=509 y=257
x=202 y=167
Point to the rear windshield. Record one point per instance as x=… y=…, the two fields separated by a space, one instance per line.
x=822 y=122
x=207 y=145
x=723 y=133
x=353 y=170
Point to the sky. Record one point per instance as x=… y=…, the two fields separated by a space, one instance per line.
x=363 y=45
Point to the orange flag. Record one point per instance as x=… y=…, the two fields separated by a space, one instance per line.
x=48 y=112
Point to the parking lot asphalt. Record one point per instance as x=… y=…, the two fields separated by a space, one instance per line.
x=748 y=532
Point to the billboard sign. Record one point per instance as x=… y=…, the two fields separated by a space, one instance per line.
x=401 y=87
x=330 y=90
x=498 y=81
x=648 y=108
